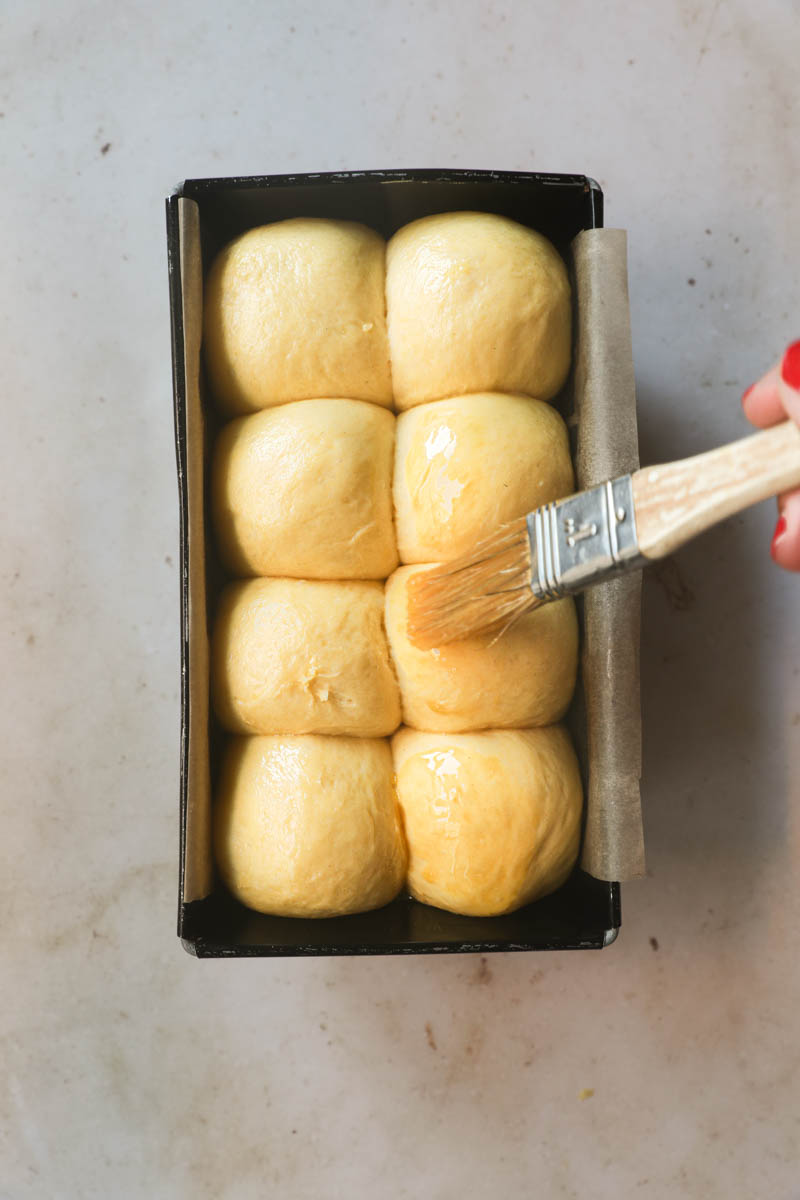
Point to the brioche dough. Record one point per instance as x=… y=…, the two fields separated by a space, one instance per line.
x=309 y=826
x=304 y=490
x=492 y=819
x=296 y=310
x=465 y=465
x=475 y=302
x=297 y=656
x=526 y=677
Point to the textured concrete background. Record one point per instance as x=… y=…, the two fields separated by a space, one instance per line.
x=131 y=1070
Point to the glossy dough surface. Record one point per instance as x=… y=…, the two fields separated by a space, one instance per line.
x=295 y=310
x=304 y=490
x=303 y=656
x=464 y=466
x=525 y=678
x=475 y=302
x=492 y=819
x=309 y=826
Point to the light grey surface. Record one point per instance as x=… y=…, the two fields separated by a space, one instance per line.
x=131 y=1070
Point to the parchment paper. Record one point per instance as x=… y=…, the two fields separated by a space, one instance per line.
x=605 y=413
x=197 y=875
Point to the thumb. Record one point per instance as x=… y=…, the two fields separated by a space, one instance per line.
x=785 y=547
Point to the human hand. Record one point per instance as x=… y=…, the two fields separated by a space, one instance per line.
x=775 y=397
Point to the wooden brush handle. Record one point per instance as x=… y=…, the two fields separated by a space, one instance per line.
x=676 y=501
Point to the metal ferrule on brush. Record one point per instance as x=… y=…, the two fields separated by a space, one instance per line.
x=583 y=539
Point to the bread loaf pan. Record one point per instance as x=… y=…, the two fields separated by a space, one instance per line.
x=202 y=215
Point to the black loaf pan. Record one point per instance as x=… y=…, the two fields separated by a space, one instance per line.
x=585 y=912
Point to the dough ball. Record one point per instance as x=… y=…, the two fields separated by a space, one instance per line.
x=305 y=490
x=465 y=465
x=298 y=656
x=309 y=826
x=296 y=310
x=525 y=678
x=492 y=819
x=475 y=302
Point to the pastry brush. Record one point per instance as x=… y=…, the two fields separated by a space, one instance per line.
x=585 y=539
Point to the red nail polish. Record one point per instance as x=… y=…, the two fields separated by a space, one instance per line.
x=747 y=393
x=780 y=530
x=790 y=367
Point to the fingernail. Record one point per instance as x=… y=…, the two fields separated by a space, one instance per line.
x=790 y=367
x=780 y=530
x=747 y=393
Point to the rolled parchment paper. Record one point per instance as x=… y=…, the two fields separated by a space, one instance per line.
x=607 y=446
x=197 y=871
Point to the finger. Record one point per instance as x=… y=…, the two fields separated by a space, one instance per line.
x=762 y=402
x=789 y=382
x=784 y=498
x=785 y=547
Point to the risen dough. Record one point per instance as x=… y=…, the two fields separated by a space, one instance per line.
x=305 y=490
x=295 y=310
x=309 y=826
x=297 y=656
x=492 y=819
x=475 y=302
x=525 y=678
x=465 y=465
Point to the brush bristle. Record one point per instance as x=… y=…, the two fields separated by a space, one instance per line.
x=483 y=592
